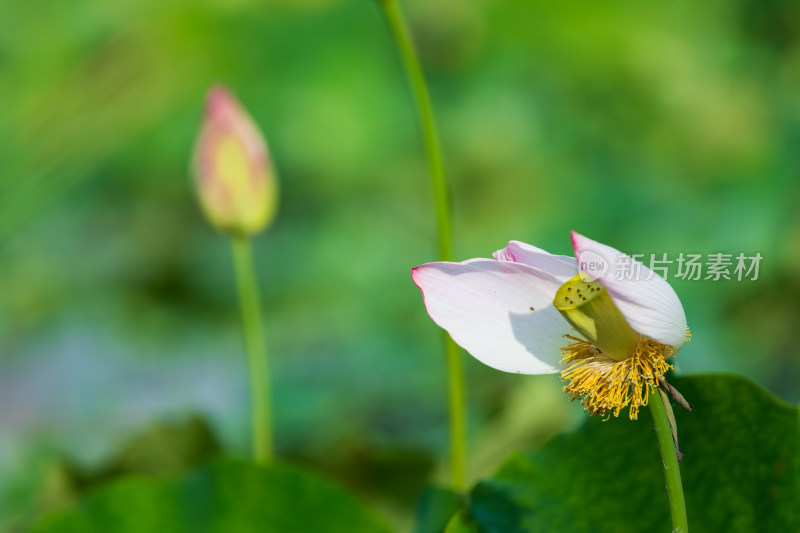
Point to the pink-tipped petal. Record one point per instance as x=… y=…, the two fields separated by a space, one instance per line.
x=646 y=300
x=562 y=267
x=500 y=312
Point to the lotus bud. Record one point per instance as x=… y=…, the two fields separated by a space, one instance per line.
x=233 y=173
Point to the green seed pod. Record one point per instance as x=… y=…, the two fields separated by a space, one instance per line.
x=591 y=311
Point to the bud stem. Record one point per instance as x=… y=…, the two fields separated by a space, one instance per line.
x=422 y=100
x=256 y=348
x=672 y=473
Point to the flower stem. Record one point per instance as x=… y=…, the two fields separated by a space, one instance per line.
x=422 y=100
x=458 y=429
x=672 y=473
x=256 y=348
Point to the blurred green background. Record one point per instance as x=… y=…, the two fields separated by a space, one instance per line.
x=671 y=127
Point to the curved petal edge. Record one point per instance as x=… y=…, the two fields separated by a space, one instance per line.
x=646 y=300
x=500 y=312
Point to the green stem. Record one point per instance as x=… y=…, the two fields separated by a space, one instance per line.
x=458 y=426
x=422 y=100
x=672 y=473
x=256 y=348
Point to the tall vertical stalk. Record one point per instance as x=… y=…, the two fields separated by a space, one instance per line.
x=672 y=473
x=256 y=349
x=416 y=79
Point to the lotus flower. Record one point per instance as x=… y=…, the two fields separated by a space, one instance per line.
x=232 y=169
x=531 y=312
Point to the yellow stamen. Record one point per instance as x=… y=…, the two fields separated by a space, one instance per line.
x=605 y=385
x=688 y=334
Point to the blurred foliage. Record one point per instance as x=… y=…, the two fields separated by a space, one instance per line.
x=161 y=450
x=655 y=128
x=436 y=508
x=226 y=496
x=740 y=472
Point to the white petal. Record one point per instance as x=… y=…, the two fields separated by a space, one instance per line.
x=486 y=306
x=646 y=300
x=562 y=267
